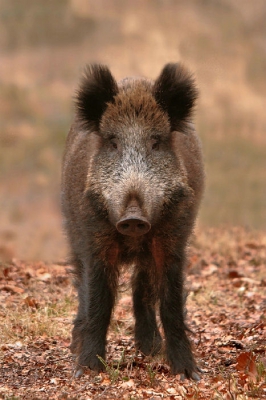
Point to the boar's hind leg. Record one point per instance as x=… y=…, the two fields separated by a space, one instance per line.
x=96 y=300
x=178 y=349
x=147 y=337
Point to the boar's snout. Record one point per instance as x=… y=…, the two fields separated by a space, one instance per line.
x=133 y=226
x=133 y=223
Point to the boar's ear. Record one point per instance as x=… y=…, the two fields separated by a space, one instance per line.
x=175 y=91
x=98 y=87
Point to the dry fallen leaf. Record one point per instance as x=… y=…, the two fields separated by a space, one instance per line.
x=225 y=314
x=31 y=302
x=12 y=289
x=246 y=362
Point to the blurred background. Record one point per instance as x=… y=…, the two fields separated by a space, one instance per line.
x=44 y=45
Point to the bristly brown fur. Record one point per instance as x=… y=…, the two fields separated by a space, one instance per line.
x=135 y=102
x=132 y=181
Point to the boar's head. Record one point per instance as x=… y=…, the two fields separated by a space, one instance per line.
x=136 y=176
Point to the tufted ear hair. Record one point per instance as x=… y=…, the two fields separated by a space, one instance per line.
x=175 y=91
x=97 y=88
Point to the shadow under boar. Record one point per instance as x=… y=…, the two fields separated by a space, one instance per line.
x=132 y=181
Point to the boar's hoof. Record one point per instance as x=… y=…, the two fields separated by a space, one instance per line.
x=185 y=366
x=194 y=376
x=188 y=372
x=133 y=226
x=79 y=372
x=94 y=363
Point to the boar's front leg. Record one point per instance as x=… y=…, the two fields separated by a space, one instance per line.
x=147 y=337
x=96 y=293
x=178 y=348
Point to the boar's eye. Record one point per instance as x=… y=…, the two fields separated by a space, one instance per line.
x=114 y=143
x=155 y=144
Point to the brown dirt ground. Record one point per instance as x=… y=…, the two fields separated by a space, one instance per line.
x=226 y=312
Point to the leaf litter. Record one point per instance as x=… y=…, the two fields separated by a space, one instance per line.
x=225 y=311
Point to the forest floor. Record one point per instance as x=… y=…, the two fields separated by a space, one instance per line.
x=226 y=312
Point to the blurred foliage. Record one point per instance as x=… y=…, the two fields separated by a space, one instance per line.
x=44 y=45
x=33 y=23
x=235 y=188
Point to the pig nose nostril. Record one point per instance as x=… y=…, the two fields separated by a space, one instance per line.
x=141 y=226
x=124 y=226
x=133 y=226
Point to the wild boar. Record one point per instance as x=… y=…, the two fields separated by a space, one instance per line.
x=132 y=181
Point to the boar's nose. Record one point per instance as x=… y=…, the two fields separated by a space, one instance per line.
x=133 y=223
x=133 y=226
